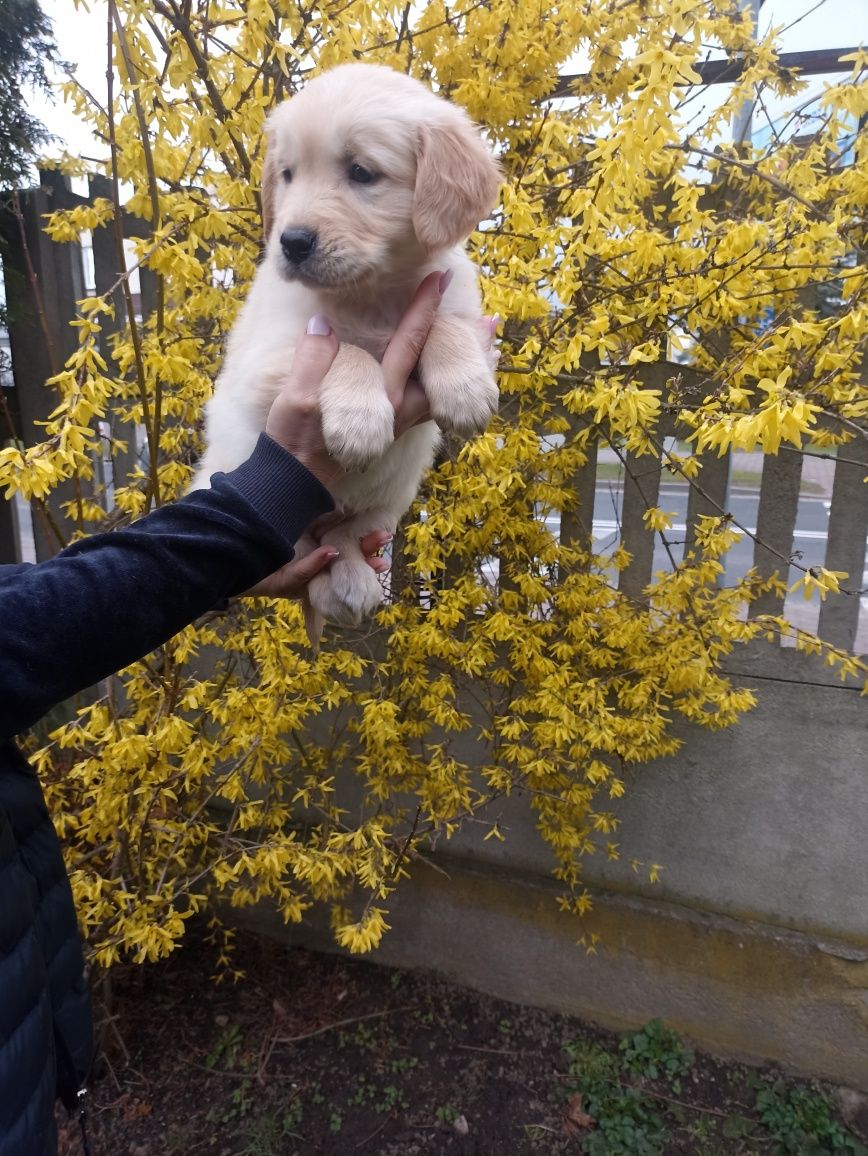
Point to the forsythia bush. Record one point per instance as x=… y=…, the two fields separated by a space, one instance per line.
x=233 y=762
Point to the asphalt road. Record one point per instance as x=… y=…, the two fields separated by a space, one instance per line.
x=810 y=536
x=809 y=543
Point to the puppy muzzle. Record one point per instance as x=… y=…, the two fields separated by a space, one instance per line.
x=297 y=245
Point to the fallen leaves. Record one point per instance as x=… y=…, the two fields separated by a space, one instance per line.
x=575 y=1119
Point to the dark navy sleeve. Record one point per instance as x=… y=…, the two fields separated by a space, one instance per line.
x=110 y=599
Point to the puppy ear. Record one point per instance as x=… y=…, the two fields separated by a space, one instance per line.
x=266 y=195
x=456 y=183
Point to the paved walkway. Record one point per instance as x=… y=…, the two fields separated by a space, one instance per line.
x=819 y=472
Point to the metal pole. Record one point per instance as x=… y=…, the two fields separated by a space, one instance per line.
x=742 y=121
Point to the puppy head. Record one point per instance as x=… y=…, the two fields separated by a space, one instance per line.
x=366 y=174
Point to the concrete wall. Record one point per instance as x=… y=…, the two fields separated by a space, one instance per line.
x=755 y=940
x=766 y=821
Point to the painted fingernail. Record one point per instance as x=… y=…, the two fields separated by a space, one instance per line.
x=332 y=554
x=445 y=279
x=318 y=326
x=493 y=323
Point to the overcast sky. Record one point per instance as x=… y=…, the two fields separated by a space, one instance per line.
x=81 y=39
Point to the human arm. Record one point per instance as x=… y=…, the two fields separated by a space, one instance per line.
x=109 y=599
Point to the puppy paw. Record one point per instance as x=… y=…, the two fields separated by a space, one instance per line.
x=357 y=417
x=463 y=399
x=458 y=377
x=346 y=593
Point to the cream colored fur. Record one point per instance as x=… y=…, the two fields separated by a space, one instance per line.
x=375 y=242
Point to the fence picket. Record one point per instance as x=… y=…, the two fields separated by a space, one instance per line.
x=708 y=497
x=776 y=522
x=846 y=543
x=641 y=491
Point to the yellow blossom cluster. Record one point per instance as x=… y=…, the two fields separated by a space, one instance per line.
x=235 y=764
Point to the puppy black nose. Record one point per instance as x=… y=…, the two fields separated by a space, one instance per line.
x=297 y=244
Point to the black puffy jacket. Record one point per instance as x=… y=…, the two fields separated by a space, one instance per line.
x=64 y=625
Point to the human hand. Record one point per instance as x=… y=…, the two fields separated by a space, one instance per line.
x=291 y=580
x=295 y=419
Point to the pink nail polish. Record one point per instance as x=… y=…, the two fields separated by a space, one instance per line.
x=318 y=326
x=444 y=281
x=493 y=323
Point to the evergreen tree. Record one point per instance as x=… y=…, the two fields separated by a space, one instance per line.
x=26 y=46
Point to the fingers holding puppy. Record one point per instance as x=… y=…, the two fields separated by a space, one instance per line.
x=293 y=579
x=404 y=350
x=408 y=352
x=295 y=419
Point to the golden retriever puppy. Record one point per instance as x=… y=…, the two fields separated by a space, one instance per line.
x=370 y=182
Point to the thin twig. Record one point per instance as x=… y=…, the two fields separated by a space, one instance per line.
x=150 y=432
x=628 y=1087
x=753 y=171
x=342 y=1024
x=490 y=1051
x=275 y=1040
x=35 y=288
x=374 y=1134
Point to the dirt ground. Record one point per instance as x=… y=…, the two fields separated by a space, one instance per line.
x=311 y=1054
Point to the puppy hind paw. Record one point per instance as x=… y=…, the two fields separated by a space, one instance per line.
x=345 y=594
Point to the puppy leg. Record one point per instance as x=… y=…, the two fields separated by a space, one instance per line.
x=313 y=620
x=231 y=439
x=358 y=420
x=458 y=378
x=349 y=591
x=236 y=414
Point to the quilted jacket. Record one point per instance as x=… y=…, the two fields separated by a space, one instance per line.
x=64 y=625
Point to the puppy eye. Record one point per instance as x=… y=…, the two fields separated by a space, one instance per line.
x=361 y=175
x=287 y=176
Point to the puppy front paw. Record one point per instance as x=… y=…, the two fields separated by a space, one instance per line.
x=357 y=417
x=346 y=593
x=463 y=400
x=458 y=377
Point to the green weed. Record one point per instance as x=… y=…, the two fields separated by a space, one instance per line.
x=657 y=1053
x=800 y=1122
x=267 y=1136
x=628 y=1123
x=446 y=1114
x=239 y=1105
x=225 y=1051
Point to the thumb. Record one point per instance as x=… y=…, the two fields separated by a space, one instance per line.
x=291 y=580
x=309 y=566
x=314 y=353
